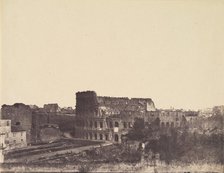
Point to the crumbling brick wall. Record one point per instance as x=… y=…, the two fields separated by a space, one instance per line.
x=66 y=123
x=86 y=103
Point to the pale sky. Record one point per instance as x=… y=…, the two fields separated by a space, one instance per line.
x=170 y=51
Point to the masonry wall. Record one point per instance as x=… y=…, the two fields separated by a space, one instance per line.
x=49 y=133
x=5 y=126
x=86 y=103
x=65 y=122
x=107 y=118
x=51 y=107
x=2 y=141
x=15 y=140
x=30 y=120
x=20 y=116
x=37 y=121
x=171 y=118
x=1 y=156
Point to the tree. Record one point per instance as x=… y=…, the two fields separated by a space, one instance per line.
x=137 y=132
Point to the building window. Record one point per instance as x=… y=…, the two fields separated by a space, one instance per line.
x=18 y=123
x=91 y=124
x=7 y=123
x=111 y=124
x=125 y=125
x=101 y=124
x=116 y=138
x=95 y=136
x=22 y=140
x=91 y=136
x=106 y=137
x=95 y=124
x=167 y=124
x=14 y=141
x=101 y=137
x=172 y=124
x=116 y=124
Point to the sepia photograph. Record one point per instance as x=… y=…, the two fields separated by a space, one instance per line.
x=112 y=86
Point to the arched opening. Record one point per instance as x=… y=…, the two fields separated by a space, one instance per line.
x=95 y=136
x=91 y=136
x=116 y=138
x=86 y=124
x=101 y=137
x=101 y=124
x=95 y=124
x=172 y=124
x=125 y=125
x=116 y=124
x=111 y=124
x=106 y=137
x=167 y=124
x=91 y=124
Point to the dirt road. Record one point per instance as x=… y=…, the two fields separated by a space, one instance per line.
x=27 y=159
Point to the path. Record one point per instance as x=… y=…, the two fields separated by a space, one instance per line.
x=77 y=150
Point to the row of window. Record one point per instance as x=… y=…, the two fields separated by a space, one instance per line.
x=7 y=124
x=97 y=137
x=14 y=141
x=94 y=136
x=168 y=124
x=171 y=113
x=13 y=134
x=116 y=124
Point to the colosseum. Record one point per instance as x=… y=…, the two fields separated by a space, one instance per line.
x=108 y=118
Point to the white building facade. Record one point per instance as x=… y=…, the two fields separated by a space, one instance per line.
x=9 y=139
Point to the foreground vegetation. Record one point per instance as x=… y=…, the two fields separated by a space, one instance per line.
x=178 y=144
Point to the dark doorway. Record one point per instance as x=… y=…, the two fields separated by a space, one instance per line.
x=101 y=124
x=106 y=137
x=91 y=136
x=95 y=124
x=101 y=137
x=116 y=138
x=111 y=124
